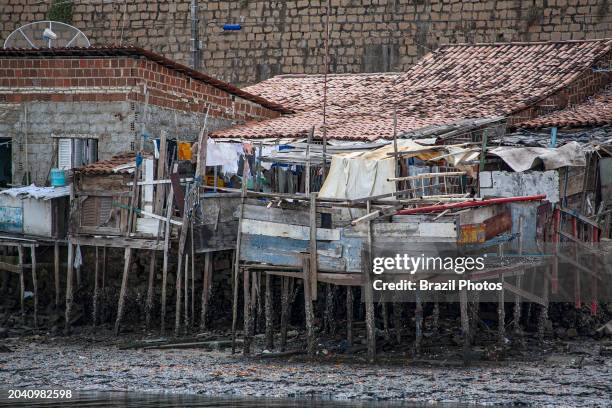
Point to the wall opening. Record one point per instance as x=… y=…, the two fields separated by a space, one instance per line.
x=6 y=162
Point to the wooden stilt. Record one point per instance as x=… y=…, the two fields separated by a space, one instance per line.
x=237 y=257
x=193 y=317
x=256 y=299
x=69 y=278
x=366 y=265
x=501 y=315
x=330 y=301
x=56 y=269
x=397 y=321
x=308 y=307
x=474 y=315
x=21 y=284
x=385 y=313
x=543 y=317
x=34 y=284
x=349 y=315
x=103 y=267
x=246 y=292
x=418 y=322
x=369 y=305
x=179 y=285
x=465 y=322
x=436 y=316
x=79 y=282
x=287 y=285
x=186 y=297
x=269 y=314
x=127 y=263
x=150 y=288
x=206 y=287
x=167 y=234
x=96 y=294
x=519 y=284
x=254 y=302
x=313 y=243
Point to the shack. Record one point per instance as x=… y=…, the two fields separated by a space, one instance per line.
x=468 y=110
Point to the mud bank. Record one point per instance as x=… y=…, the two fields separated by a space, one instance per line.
x=570 y=374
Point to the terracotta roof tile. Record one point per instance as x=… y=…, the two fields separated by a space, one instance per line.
x=453 y=83
x=597 y=110
x=107 y=166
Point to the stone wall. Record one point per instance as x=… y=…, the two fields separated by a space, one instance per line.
x=288 y=36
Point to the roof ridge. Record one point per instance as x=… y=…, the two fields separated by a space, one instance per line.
x=524 y=43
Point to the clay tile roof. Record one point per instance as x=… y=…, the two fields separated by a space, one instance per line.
x=108 y=166
x=595 y=111
x=453 y=83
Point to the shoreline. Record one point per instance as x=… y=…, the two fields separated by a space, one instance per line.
x=578 y=375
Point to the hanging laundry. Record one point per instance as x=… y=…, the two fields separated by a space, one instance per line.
x=184 y=151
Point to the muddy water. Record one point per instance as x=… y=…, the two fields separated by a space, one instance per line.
x=96 y=369
x=141 y=400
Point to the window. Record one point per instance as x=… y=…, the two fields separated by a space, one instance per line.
x=73 y=153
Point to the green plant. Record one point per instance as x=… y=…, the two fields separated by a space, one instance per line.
x=60 y=10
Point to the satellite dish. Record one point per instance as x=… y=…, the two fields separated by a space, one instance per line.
x=46 y=34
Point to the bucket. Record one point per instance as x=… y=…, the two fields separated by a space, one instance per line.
x=58 y=178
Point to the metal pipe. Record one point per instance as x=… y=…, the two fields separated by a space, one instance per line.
x=466 y=204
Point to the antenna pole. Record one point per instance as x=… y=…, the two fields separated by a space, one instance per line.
x=195 y=35
x=325 y=91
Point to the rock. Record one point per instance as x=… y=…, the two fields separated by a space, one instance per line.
x=571 y=333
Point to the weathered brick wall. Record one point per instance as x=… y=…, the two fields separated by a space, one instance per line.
x=115 y=79
x=103 y=98
x=287 y=36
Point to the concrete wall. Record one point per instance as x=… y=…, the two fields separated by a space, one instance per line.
x=116 y=126
x=508 y=184
x=287 y=36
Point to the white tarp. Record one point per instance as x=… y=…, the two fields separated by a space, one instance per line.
x=32 y=191
x=526 y=158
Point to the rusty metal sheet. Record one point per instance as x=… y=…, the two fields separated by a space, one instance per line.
x=472 y=234
x=497 y=224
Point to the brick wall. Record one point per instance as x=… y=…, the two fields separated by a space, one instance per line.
x=104 y=99
x=117 y=79
x=585 y=85
x=287 y=36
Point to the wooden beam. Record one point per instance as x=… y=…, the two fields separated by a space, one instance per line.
x=524 y=294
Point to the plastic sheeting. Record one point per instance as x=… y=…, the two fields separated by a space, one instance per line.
x=364 y=174
x=526 y=158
